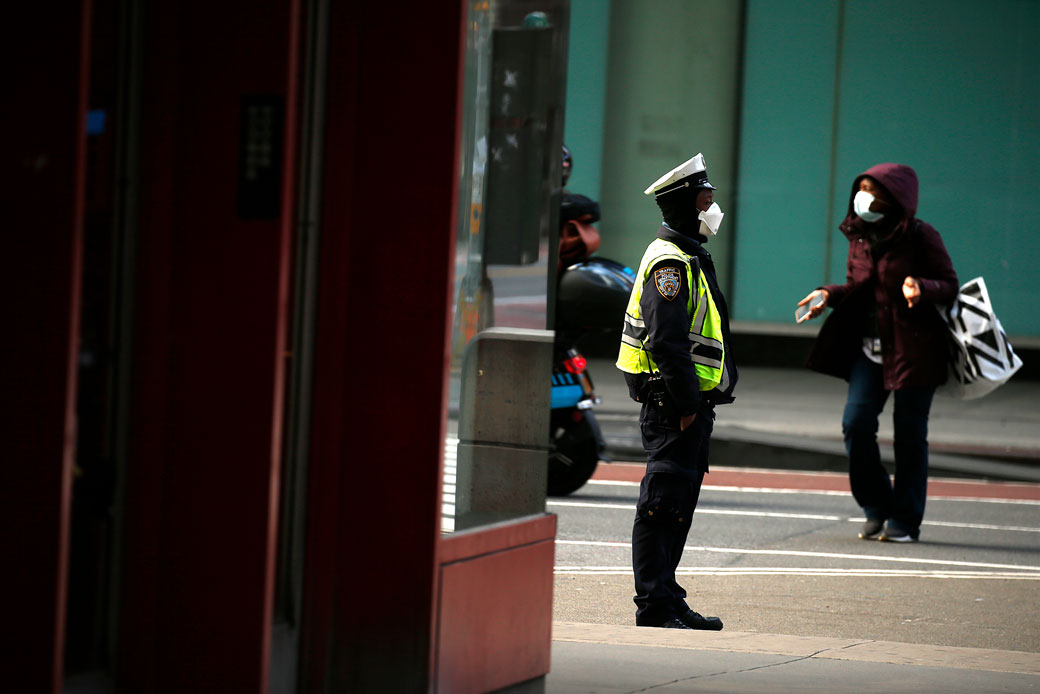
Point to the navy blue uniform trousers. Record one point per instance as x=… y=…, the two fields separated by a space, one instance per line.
x=676 y=463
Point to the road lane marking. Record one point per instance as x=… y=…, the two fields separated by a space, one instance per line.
x=819 y=492
x=592 y=504
x=971 y=526
x=448 y=499
x=800 y=571
x=796 y=516
x=816 y=555
x=701 y=511
x=705 y=487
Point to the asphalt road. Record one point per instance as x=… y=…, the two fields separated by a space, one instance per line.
x=778 y=553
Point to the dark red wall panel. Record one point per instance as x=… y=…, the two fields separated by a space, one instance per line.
x=43 y=141
x=210 y=345
x=387 y=245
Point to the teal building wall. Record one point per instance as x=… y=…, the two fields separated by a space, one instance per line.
x=830 y=88
x=587 y=93
x=789 y=101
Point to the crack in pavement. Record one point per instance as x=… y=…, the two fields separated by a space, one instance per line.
x=733 y=672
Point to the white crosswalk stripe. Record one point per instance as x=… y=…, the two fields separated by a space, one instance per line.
x=803 y=516
x=451 y=446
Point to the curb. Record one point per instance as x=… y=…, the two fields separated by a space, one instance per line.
x=743 y=448
x=889 y=652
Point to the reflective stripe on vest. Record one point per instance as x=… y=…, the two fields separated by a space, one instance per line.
x=706 y=350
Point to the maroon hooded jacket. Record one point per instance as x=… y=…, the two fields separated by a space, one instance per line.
x=913 y=340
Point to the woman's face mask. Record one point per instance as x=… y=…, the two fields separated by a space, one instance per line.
x=861 y=206
x=711 y=219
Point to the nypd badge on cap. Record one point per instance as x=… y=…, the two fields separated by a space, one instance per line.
x=691 y=173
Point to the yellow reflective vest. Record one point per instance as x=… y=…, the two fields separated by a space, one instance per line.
x=706 y=346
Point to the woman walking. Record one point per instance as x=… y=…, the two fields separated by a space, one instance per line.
x=885 y=336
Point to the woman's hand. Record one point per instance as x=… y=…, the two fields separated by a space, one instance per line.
x=818 y=308
x=912 y=291
x=686 y=421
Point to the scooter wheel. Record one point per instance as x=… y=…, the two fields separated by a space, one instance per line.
x=573 y=456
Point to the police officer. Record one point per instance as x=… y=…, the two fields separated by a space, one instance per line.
x=677 y=362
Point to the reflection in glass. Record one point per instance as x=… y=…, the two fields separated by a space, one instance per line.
x=509 y=171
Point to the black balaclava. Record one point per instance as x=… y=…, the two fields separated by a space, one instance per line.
x=679 y=209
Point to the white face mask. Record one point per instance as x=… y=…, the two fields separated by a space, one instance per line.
x=861 y=206
x=711 y=219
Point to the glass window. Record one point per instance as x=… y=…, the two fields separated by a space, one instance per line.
x=497 y=431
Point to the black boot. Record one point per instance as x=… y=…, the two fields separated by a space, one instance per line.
x=693 y=620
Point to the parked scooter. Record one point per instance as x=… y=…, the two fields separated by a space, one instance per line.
x=591 y=297
x=576 y=443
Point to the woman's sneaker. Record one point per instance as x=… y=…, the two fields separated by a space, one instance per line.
x=871 y=529
x=896 y=535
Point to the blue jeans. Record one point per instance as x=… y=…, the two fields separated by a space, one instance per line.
x=900 y=503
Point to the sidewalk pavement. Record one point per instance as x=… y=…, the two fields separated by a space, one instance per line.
x=615 y=659
x=791 y=418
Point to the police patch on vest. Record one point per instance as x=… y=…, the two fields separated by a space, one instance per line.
x=668 y=282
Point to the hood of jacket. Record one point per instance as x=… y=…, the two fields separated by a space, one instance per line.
x=898 y=179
